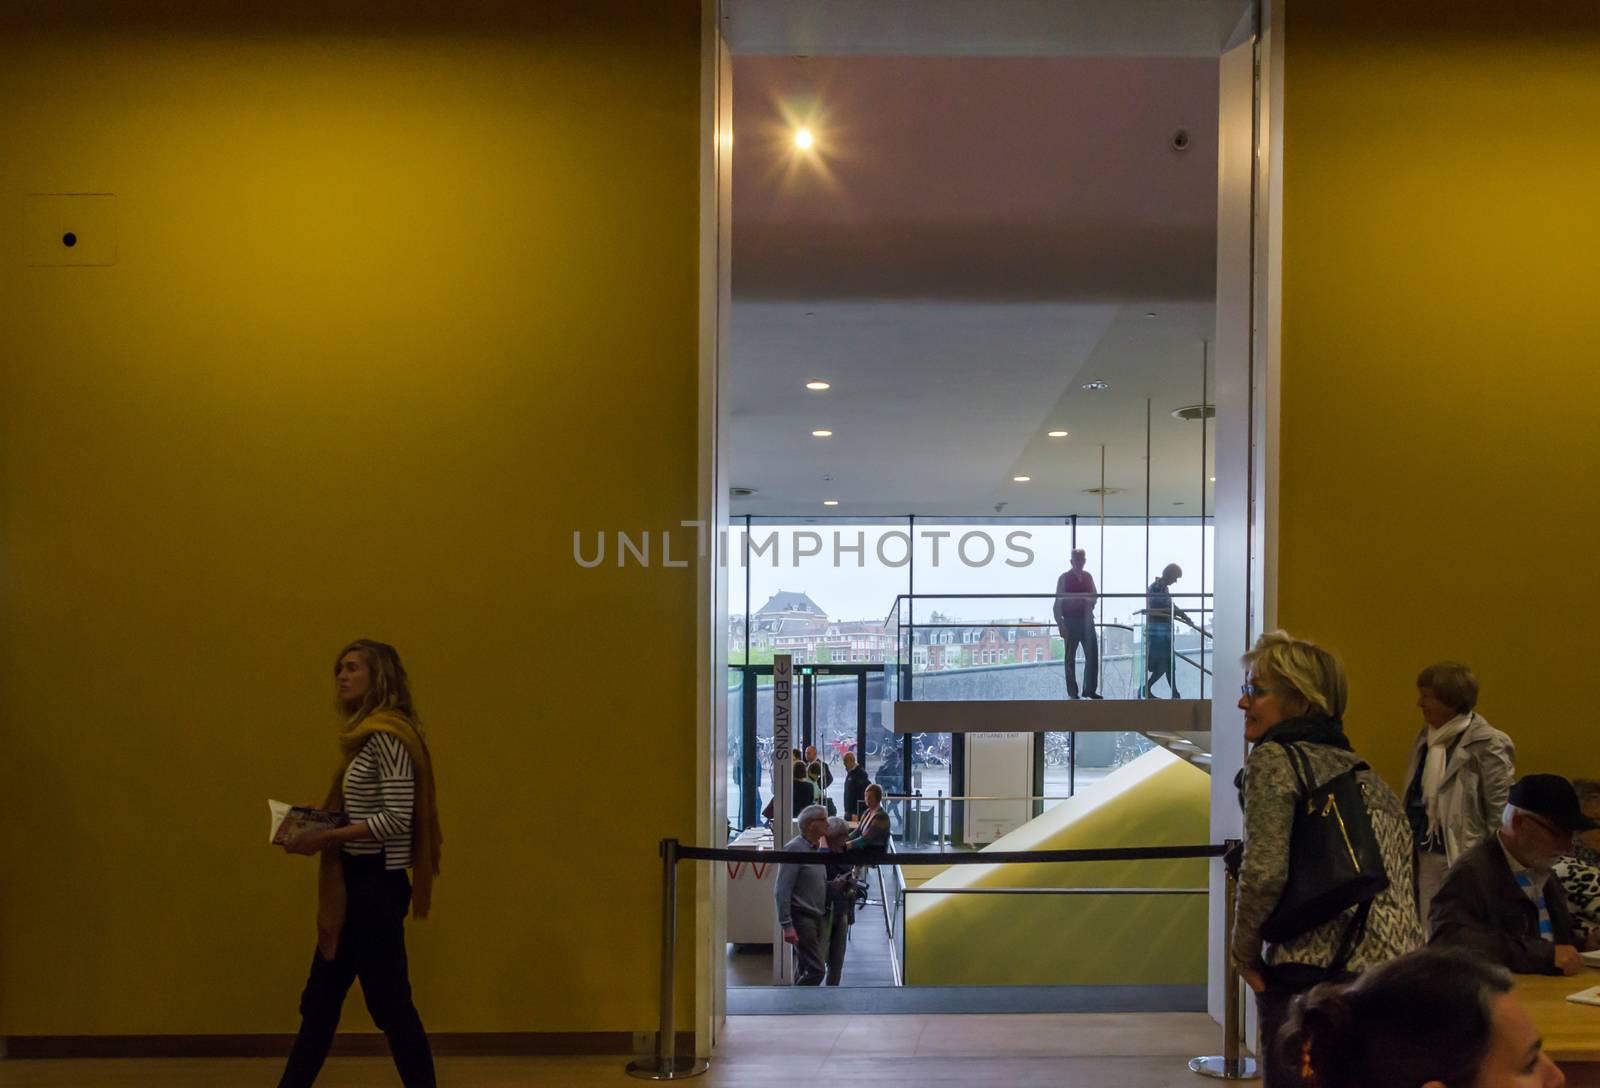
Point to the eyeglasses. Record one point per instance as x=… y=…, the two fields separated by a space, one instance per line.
x=1253 y=691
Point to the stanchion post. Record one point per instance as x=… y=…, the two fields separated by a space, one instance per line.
x=1229 y=1065
x=666 y=1065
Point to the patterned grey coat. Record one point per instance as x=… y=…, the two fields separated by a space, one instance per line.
x=1268 y=791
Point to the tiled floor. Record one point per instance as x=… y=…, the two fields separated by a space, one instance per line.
x=1146 y=1050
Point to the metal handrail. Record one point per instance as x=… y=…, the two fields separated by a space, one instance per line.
x=665 y=1064
x=895 y=607
x=925 y=890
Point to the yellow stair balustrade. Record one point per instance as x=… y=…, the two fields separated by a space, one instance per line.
x=973 y=940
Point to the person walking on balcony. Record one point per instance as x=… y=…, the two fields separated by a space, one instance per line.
x=1159 y=614
x=1074 y=612
x=1459 y=778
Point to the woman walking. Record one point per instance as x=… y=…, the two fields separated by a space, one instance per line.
x=385 y=786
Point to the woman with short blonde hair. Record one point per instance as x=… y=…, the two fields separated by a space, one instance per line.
x=1295 y=696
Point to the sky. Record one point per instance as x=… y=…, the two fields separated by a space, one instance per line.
x=863 y=586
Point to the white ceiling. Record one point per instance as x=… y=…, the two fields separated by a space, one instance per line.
x=973 y=238
x=1153 y=28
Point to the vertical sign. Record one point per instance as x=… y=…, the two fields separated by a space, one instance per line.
x=782 y=792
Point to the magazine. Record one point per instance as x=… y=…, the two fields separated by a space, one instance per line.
x=289 y=820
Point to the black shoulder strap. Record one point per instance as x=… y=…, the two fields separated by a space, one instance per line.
x=1300 y=765
x=1352 y=933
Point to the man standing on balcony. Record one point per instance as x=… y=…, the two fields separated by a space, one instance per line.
x=1074 y=612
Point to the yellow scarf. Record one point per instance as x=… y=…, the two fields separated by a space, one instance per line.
x=426 y=837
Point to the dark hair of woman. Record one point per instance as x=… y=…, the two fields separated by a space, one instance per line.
x=1426 y=1016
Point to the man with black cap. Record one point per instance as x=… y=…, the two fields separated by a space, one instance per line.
x=1499 y=899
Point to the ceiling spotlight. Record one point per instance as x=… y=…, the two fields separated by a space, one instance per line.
x=1096 y=386
x=1020 y=479
x=821 y=434
x=1058 y=434
x=830 y=502
x=817 y=387
x=803 y=139
x=1213 y=479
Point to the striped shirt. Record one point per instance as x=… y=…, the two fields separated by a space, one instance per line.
x=380 y=788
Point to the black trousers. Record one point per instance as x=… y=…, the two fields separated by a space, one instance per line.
x=809 y=950
x=1083 y=635
x=372 y=947
x=838 y=940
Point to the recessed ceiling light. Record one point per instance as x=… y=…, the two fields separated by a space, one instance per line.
x=803 y=139
x=821 y=434
x=830 y=502
x=1096 y=386
x=1150 y=313
x=1058 y=434
x=1020 y=479
x=818 y=386
x=1213 y=479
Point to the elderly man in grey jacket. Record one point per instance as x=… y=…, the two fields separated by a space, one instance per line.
x=802 y=895
x=1459 y=778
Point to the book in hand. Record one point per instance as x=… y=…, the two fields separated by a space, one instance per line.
x=289 y=820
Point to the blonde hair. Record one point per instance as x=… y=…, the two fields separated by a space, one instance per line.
x=1293 y=666
x=388 y=690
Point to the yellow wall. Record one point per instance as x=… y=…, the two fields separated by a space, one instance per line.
x=1440 y=341
x=396 y=309
x=1044 y=940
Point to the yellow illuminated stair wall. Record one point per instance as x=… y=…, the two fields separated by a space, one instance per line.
x=1156 y=800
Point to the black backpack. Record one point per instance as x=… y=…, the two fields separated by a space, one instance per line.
x=1335 y=861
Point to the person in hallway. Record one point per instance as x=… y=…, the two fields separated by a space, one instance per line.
x=1579 y=869
x=1430 y=1019
x=385 y=785
x=1295 y=696
x=818 y=769
x=801 y=893
x=1459 y=777
x=1159 y=613
x=1499 y=899
x=841 y=883
x=804 y=794
x=1074 y=612
x=856 y=782
x=872 y=830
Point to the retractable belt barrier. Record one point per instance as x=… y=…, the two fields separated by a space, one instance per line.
x=666 y=1064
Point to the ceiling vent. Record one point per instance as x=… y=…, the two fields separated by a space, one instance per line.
x=1191 y=412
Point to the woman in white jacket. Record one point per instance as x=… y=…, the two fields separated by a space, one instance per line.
x=1459 y=777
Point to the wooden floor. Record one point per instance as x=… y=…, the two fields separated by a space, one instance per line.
x=1144 y=1050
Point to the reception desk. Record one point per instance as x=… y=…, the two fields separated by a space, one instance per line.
x=752 y=912
x=1571 y=1032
